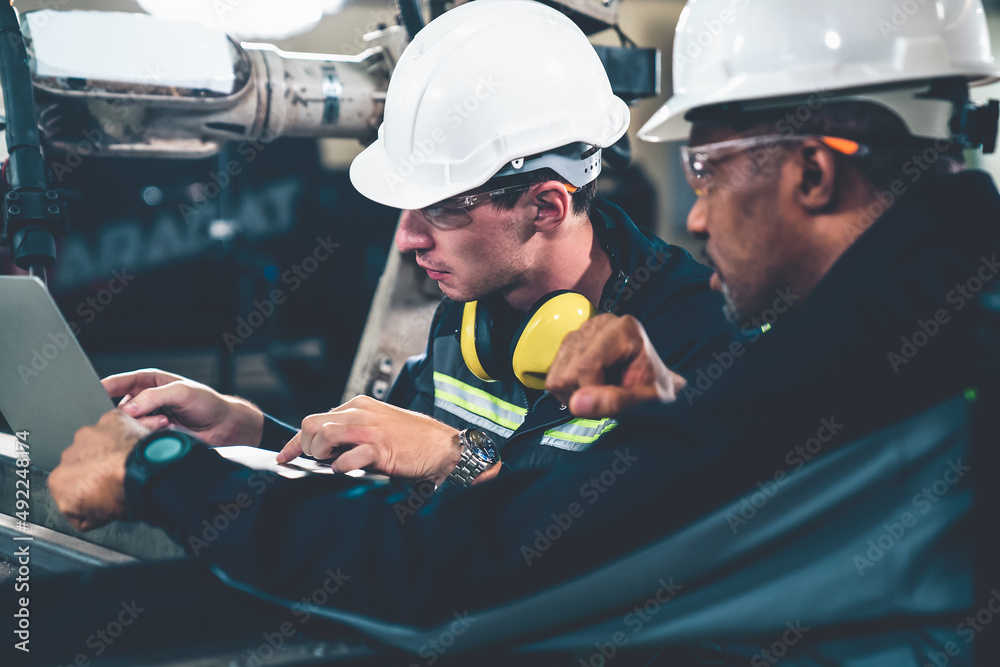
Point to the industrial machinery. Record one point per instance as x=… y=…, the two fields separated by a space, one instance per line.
x=188 y=92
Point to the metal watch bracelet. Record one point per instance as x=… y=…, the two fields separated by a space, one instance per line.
x=475 y=444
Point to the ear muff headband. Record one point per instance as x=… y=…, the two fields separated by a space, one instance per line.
x=533 y=345
x=548 y=322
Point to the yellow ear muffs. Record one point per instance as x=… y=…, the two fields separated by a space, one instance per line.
x=493 y=351
x=488 y=327
x=468 y=340
x=548 y=322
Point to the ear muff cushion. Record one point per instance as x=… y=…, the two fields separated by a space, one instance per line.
x=487 y=327
x=468 y=341
x=537 y=340
x=530 y=315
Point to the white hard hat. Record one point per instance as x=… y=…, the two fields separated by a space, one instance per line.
x=487 y=84
x=781 y=53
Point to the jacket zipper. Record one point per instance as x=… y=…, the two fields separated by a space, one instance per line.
x=543 y=427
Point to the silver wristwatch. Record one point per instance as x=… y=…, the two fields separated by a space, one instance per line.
x=478 y=454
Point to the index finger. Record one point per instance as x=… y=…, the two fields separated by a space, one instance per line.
x=585 y=355
x=291 y=450
x=134 y=382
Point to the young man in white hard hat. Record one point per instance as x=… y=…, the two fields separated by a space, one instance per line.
x=499 y=206
x=813 y=500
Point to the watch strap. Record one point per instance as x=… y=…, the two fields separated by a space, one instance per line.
x=141 y=471
x=470 y=465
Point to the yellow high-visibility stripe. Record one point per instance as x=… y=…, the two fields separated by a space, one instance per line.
x=475 y=391
x=576 y=434
x=477 y=410
x=587 y=430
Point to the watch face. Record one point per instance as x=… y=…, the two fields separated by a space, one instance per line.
x=482 y=446
x=164 y=449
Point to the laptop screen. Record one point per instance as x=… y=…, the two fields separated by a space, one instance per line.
x=47 y=385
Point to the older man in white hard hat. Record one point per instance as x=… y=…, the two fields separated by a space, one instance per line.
x=810 y=501
x=796 y=152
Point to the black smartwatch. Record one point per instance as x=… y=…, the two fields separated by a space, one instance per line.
x=152 y=457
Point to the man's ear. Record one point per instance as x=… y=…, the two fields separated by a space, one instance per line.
x=816 y=175
x=552 y=205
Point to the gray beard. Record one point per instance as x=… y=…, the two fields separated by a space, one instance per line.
x=729 y=310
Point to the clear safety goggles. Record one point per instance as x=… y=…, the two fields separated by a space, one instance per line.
x=697 y=160
x=454 y=212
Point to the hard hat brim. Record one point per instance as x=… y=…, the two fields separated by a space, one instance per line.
x=375 y=177
x=669 y=123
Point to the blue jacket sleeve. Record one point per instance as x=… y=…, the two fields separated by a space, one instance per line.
x=415 y=557
x=276 y=433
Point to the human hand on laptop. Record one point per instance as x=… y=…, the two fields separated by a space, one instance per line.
x=609 y=365
x=369 y=434
x=88 y=485
x=215 y=418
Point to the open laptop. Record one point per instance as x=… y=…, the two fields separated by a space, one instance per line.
x=47 y=385
x=49 y=388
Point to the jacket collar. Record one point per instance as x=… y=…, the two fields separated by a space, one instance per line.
x=939 y=215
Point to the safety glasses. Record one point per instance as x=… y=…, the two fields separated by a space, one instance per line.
x=698 y=160
x=454 y=212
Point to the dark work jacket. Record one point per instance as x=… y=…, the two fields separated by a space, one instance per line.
x=417 y=560
x=659 y=284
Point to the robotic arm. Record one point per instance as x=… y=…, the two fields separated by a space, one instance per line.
x=187 y=89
